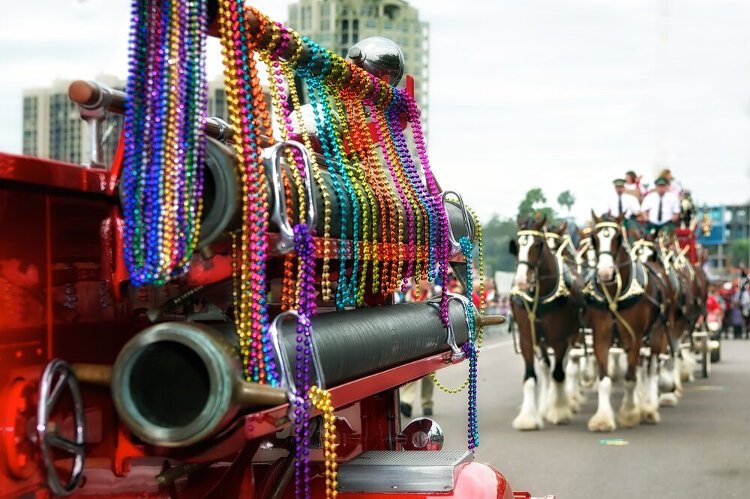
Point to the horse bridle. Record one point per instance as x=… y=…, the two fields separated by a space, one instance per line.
x=602 y=225
x=642 y=242
x=532 y=233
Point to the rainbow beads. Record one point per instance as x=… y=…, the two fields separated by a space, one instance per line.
x=165 y=113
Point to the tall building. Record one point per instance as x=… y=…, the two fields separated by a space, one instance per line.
x=53 y=128
x=339 y=24
x=729 y=223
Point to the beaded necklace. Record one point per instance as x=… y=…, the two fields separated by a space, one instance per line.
x=336 y=164
x=165 y=112
x=442 y=240
x=365 y=196
x=396 y=248
x=246 y=114
x=321 y=399
x=382 y=209
x=396 y=169
x=306 y=308
x=270 y=56
x=288 y=75
x=417 y=187
x=470 y=347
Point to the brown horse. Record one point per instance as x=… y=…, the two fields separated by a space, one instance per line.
x=669 y=286
x=545 y=301
x=623 y=304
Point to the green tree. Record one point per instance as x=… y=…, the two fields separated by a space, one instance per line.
x=497 y=235
x=566 y=199
x=740 y=250
x=533 y=205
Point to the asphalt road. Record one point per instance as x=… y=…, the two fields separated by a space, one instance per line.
x=701 y=448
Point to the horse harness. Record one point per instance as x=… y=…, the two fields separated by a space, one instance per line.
x=626 y=294
x=533 y=304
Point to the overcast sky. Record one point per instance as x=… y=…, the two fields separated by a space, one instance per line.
x=557 y=94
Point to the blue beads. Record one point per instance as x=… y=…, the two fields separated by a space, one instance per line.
x=467 y=249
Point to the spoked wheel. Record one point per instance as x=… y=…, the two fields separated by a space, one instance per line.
x=57 y=377
x=705 y=357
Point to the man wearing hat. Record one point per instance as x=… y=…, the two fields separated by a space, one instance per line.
x=622 y=203
x=661 y=208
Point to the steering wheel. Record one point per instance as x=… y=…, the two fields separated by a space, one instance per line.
x=56 y=377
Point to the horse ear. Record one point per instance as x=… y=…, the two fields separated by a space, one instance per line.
x=541 y=221
x=594 y=217
x=563 y=228
x=620 y=218
x=513 y=247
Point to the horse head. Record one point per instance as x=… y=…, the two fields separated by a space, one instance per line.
x=530 y=248
x=608 y=241
x=644 y=248
x=554 y=234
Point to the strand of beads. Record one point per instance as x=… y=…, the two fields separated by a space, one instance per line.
x=361 y=143
x=442 y=239
x=356 y=174
x=470 y=347
x=396 y=169
x=247 y=113
x=482 y=297
x=335 y=163
x=397 y=253
x=164 y=144
x=418 y=188
x=321 y=399
x=388 y=203
x=288 y=75
x=482 y=307
x=306 y=308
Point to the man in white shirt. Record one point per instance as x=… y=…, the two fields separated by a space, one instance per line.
x=622 y=203
x=661 y=208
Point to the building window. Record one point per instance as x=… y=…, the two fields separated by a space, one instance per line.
x=371 y=23
x=391 y=11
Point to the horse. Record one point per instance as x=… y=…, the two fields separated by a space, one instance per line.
x=648 y=252
x=545 y=301
x=623 y=300
x=695 y=281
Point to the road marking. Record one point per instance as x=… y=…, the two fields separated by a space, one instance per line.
x=709 y=388
x=615 y=442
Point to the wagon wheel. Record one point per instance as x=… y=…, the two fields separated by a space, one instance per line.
x=56 y=377
x=705 y=357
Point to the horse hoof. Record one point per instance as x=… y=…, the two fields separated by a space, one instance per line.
x=559 y=415
x=666 y=384
x=650 y=416
x=526 y=422
x=629 y=418
x=602 y=423
x=668 y=400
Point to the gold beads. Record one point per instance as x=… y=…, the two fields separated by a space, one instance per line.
x=321 y=400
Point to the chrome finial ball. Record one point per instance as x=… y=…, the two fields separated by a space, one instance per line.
x=379 y=56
